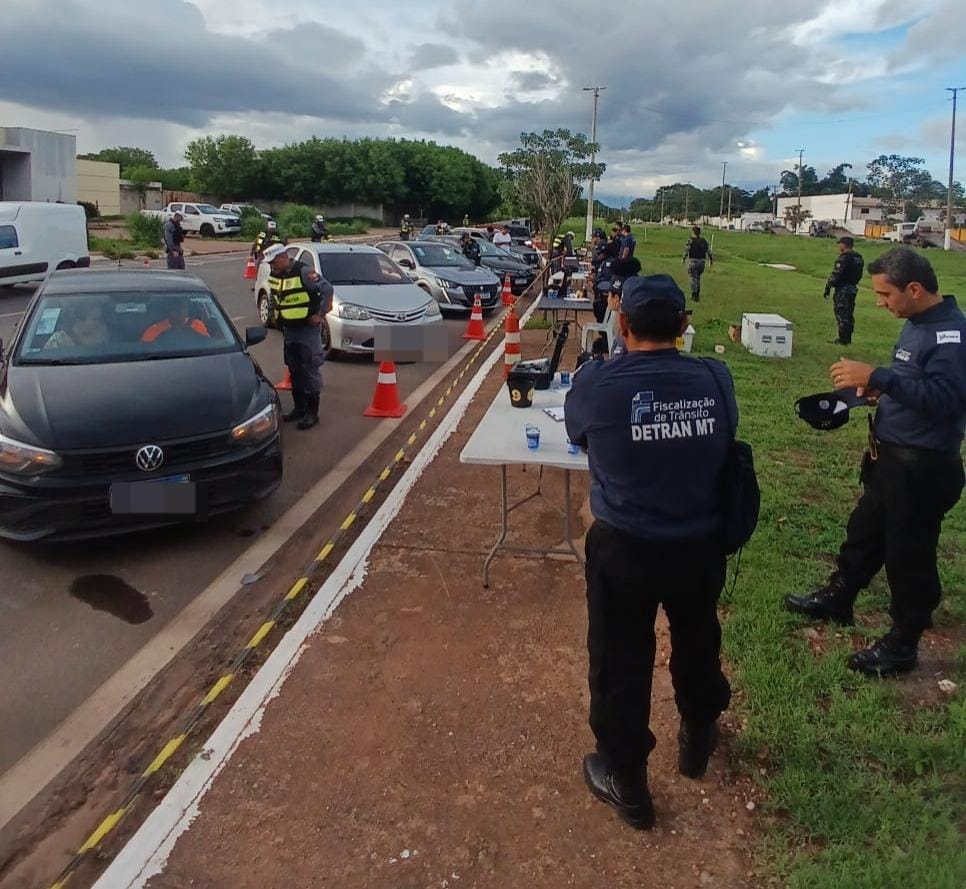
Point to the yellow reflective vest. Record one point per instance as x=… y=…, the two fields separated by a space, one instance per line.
x=290 y=297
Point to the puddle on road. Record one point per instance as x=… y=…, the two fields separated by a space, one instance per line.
x=105 y=592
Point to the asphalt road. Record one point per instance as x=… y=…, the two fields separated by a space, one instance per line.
x=57 y=648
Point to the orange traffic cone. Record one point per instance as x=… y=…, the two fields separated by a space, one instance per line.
x=511 y=344
x=249 y=269
x=385 y=400
x=286 y=384
x=475 y=329
x=506 y=297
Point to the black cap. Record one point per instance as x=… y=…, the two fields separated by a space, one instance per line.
x=642 y=289
x=828 y=410
x=845 y=239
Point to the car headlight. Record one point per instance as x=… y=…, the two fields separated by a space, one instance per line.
x=263 y=425
x=528 y=243
x=23 y=459
x=354 y=313
x=446 y=284
x=432 y=309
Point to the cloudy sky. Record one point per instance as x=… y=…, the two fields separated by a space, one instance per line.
x=690 y=83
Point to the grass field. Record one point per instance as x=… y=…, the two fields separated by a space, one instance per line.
x=865 y=780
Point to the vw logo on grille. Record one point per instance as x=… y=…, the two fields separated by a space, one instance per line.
x=149 y=458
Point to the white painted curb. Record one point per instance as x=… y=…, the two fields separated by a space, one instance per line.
x=146 y=853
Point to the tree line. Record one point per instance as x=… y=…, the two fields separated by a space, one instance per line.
x=902 y=184
x=417 y=177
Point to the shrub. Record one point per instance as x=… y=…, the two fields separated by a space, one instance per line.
x=146 y=231
x=295 y=221
x=252 y=223
x=90 y=210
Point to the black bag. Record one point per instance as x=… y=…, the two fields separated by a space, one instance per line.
x=740 y=494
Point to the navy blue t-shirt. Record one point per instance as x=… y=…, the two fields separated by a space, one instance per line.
x=628 y=242
x=656 y=434
x=923 y=400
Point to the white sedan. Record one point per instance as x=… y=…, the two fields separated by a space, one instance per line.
x=370 y=289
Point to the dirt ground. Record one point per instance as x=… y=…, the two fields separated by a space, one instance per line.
x=431 y=735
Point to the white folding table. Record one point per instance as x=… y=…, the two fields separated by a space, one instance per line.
x=500 y=440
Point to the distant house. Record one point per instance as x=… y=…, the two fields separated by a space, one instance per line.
x=845 y=210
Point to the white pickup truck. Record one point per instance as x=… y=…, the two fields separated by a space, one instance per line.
x=200 y=219
x=921 y=233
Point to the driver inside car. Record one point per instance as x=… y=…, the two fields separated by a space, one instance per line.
x=177 y=318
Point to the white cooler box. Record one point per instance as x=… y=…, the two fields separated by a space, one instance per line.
x=768 y=335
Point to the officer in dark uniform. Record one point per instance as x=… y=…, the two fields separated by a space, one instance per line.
x=301 y=297
x=696 y=253
x=656 y=425
x=320 y=231
x=471 y=250
x=912 y=474
x=844 y=280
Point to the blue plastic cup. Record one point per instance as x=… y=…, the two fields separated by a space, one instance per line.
x=565 y=378
x=533 y=437
x=572 y=448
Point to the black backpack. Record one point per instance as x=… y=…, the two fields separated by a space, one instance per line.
x=739 y=494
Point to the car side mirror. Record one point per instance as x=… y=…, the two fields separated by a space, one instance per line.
x=407 y=263
x=255 y=335
x=2 y=353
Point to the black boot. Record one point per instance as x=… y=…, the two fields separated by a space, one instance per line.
x=298 y=408
x=894 y=653
x=624 y=789
x=311 y=416
x=830 y=602
x=696 y=742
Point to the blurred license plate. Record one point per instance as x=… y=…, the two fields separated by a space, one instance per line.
x=520 y=281
x=174 y=495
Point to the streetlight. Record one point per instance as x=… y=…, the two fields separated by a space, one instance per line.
x=593 y=159
x=948 y=236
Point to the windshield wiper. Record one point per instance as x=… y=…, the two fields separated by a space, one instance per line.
x=51 y=362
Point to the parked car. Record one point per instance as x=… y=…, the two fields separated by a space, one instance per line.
x=499 y=262
x=445 y=274
x=521 y=234
x=37 y=238
x=370 y=289
x=239 y=210
x=127 y=401
x=200 y=219
x=517 y=248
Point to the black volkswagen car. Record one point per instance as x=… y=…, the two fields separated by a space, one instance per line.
x=499 y=262
x=127 y=400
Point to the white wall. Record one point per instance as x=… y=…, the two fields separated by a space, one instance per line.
x=53 y=163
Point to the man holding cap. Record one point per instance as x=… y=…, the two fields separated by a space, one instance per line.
x=912 y=473
x=301 y=297
x=657 y=426
x=844 y=280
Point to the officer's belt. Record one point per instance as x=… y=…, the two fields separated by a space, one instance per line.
x=914 y=455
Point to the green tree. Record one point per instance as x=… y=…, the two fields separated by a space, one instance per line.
x=174 y=179
x=789 y=180
x=546 y=173
x=223 y=165
x=140 y=178
x=128 y=158
x=897 y=180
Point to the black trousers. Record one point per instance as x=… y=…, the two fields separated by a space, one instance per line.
x=627 y=579
x=896 y=523
x=303 y=358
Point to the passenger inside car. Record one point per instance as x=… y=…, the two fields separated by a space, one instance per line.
x=81 y=323
x=178 y=318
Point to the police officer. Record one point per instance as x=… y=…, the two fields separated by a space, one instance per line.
x=656 y=425
x=563 y=247
x=405 y=228
x=441 y=228
x=844 y=280
x=301 y=298
x=319 y=230
x=471 y=250
x=267 y=237
x=912 y=474
x=696 y=252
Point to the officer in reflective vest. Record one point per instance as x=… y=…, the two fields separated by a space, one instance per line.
x=301 y=297
x=265 y=239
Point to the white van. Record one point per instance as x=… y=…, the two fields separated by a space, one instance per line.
x=37 y=238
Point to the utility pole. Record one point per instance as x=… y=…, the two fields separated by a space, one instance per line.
x=848 y=200
x=724 y=169
x=687 y=194
x=730 y=193
x=801 y=151
x=661 y=222
x=948 y=237
x=593 y=159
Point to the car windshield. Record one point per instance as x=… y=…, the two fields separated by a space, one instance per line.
x=440 y=255
x=360 y=268
x=488 y=249
x=93 y=328
x=209 y=209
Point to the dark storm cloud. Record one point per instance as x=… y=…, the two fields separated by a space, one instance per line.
x=116 y=59
x=432 y=55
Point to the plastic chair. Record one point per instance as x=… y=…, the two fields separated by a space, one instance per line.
x=606 y=327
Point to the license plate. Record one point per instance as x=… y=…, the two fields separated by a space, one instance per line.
x=173 y=495
x=520 y=281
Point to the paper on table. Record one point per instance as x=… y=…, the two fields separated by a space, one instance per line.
x=555 y=413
